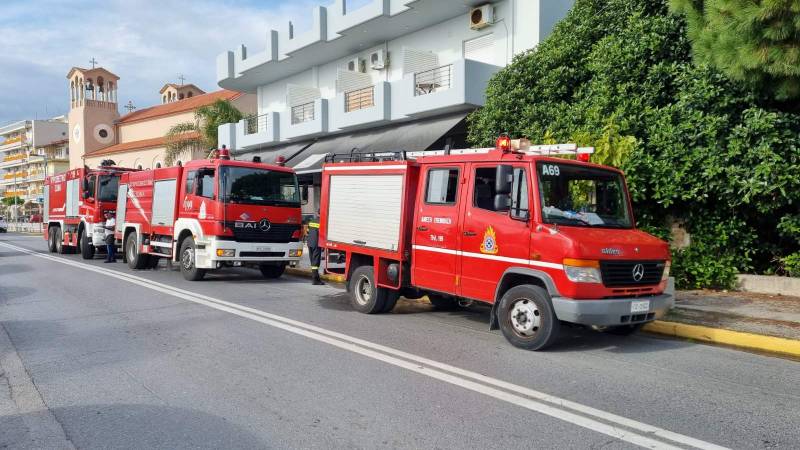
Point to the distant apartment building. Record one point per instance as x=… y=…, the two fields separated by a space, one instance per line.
x=30 y=150
x=136 y=139
x=385 y=75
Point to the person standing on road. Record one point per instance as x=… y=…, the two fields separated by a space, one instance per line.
x=314 y=251
x=111 y=247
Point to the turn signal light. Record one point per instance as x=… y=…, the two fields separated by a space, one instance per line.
x=582 y=263
x=226 y=253
x=296 y=253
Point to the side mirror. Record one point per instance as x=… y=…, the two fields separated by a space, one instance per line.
x=502 y=202
x=87 y=195
x=503 y=179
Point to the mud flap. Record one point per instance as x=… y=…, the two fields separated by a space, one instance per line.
x=494 y=324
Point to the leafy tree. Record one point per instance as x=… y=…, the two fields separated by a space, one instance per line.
x=755 y=41
x=10 y=201
x=201 y=134
x=698 y=148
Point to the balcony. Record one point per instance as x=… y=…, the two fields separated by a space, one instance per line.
x=305 y=120
x=362 y=107
x=11 y=143
x=451 y=87
x=258 y=130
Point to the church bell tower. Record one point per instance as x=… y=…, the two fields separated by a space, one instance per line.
x=92 y=111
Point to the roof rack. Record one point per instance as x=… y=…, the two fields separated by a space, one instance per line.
x=519 y=146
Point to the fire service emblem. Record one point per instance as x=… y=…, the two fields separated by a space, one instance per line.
x=489 y=244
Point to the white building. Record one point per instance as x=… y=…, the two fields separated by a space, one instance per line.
x=383 y=75
x=30 y=150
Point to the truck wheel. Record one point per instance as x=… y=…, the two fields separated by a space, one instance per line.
x=443 y=303
x=51 y=239
x=624 y=330
x=87 y=249
x=59 y=237
x=272 y=271
x=188 y=267
x=152 y=261
x=366 y=296
x=135 y=259
x=527 y=319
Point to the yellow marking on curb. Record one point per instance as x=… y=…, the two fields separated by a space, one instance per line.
x=719 y=336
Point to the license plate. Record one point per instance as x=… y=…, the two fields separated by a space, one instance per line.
x=263 y=249
x=642 y=306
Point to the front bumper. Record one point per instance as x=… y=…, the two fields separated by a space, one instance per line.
x=246 y=252
x=611 y=311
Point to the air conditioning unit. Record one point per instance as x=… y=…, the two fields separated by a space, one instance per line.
x=481 y=16
x=356 y=65
x=378 y=60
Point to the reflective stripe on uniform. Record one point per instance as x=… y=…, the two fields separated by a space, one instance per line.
x=314 y=267
x=313 y=225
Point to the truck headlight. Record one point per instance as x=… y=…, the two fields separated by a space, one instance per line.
x=296 y=253
x=665 y=276
x=226 y=253
x=582 y=270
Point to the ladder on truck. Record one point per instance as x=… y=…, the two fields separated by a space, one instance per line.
x=401 y=155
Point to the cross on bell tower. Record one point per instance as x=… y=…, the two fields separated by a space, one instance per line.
x=181 y=78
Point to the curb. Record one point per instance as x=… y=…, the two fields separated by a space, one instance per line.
x=307 y=273
x=739 y=339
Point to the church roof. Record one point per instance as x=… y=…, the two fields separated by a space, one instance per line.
x=187 y=104
x=92 y=72
x=137 y=145
x=179 y=86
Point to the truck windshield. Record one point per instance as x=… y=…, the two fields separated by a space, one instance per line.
x=107 y=191
x=259 y=186
x=582 y=196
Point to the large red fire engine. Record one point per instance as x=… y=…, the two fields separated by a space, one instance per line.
x=211 y=213
x=74 y=203
x=542 y=239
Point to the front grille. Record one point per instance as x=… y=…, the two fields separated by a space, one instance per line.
x=621 y=273
x=261 y=254
x=278 y=232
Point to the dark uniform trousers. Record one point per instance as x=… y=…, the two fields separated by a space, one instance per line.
x=314 y=251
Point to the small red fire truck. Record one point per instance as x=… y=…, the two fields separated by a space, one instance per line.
x=542 y=239
x=74 y=204
x=211 y=213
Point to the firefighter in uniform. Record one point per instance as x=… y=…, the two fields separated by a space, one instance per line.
x=314 y=251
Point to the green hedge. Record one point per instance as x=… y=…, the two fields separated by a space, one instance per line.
x=697 y=148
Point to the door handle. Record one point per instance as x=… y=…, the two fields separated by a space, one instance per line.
x=470 y=233
x=422 y=228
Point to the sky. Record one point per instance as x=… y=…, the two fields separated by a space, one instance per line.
x=147 y=43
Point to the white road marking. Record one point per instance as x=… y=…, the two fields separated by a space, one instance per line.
x=528 y=398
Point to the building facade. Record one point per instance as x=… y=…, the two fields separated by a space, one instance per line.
x=387 y=75
x=30 y=150
x=97 y=132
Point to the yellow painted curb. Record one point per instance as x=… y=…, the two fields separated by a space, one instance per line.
x=324 y=276
x=734 y=338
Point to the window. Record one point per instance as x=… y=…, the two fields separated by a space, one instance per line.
x=158 y=165
x=104 y=134
x=483 y=195
x=206 y=183
x=139 y=167
x=519 y=195
x=190 y=177
x=259 y=187
x=89 y=186
x=108 y=188
x=442 y=186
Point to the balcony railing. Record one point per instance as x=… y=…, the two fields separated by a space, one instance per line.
x=359 y=99
x=302 y=113
x=14 y=157
x=255 y=124
x=433 y=80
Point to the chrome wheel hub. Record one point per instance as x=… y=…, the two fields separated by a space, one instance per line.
x=187 y=259
x=363 y=291
x=525 y=317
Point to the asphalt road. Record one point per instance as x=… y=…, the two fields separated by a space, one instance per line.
x=98 y=356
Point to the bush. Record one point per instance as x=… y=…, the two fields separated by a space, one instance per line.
x=696 y=146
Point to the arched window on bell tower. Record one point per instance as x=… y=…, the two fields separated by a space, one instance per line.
x=101 y=89
x=90 y=90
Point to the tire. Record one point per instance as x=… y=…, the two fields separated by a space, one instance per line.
x=365 y=296
x=527 y=319
x=188 y=267
x=136 y=260
x=624 y=330
x=443 y=303
x=59 y=239
x=272 y=271
x=86 y=247
x=51 y=239
x=391 y=301
x=152 y=262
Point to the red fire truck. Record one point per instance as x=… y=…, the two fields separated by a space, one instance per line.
x=211 y=213
x=541 y=238
x=74 y=203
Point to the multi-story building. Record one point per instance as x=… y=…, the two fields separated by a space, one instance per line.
x=386 y=75
x=29 y=151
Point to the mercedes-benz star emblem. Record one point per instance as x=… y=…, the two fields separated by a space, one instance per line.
x=264 y=225
x=638 y=272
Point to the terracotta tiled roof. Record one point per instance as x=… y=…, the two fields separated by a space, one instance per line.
x=136 y=145
x=187 y=104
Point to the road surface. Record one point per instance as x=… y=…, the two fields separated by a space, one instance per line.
x=95 y=355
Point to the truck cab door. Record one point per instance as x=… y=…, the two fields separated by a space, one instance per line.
x=495 y=230
x=199 y=194
x=436 y=238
